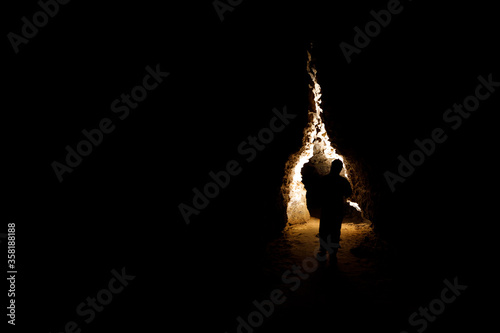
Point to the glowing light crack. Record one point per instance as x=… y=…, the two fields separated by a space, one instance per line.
x=315 y=134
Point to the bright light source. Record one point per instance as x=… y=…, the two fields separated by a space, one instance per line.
x=315 y=139
x=355 y=205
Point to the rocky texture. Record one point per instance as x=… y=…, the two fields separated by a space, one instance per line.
x=312 y=161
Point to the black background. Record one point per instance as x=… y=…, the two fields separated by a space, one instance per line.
x=119 y=208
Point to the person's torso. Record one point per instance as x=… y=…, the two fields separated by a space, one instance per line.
x=333 y=190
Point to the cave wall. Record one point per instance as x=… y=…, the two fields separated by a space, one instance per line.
x=373 y=111
x=319 y=146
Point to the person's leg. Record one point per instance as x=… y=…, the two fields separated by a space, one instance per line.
x=337 y=226
x=322 y=230
x=335 y=233
x=322 y=237
x=324 y=233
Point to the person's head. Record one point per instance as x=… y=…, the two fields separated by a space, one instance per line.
x=336 y=167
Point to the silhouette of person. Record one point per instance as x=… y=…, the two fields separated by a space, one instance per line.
x=334 y=191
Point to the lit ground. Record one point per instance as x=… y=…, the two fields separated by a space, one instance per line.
x=332 y=291
x=301 y=241
x=304 y=242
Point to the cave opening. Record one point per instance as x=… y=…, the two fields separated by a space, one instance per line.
x=304 y=169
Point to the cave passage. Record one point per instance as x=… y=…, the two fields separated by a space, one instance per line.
x=310 y=163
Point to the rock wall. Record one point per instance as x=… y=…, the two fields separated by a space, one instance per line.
x=313 y=159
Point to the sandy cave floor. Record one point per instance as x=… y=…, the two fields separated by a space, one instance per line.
x=301 y=241
x=358 y=280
